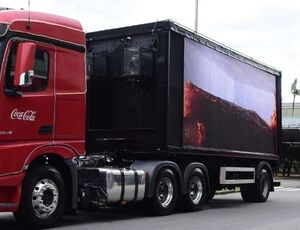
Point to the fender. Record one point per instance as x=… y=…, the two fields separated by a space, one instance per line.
x=188 y=168
x=152 y=168
x=69 y=172
x=65 y=151
x=267 y=166
x=11 y=184
x=10 y=192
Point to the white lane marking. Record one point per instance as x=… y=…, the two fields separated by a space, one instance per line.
x=286 y=189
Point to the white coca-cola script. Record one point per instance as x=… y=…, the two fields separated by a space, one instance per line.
x=28 y=115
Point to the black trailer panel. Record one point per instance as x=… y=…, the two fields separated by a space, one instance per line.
x=126 y=91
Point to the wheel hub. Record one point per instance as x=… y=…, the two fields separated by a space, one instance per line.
x=165 y=192
x=44 y=198
x=195 y=189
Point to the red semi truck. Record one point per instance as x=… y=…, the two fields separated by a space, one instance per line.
x=152 y=113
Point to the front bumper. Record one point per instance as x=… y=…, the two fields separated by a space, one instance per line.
x=10 y=192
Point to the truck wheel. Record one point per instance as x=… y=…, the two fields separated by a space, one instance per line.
x=43 y=198
x=264 y=186
x=165 y=194
x=196 y=190
x=258 y=192
x=247 y=193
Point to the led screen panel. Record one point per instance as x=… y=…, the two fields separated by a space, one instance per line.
x=228 y=104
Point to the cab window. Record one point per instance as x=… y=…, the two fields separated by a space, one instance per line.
x=41 y=71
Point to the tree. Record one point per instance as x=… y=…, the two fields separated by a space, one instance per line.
x=295 y=92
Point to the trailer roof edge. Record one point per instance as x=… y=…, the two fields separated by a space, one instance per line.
x=209 y=42
x=186 y=32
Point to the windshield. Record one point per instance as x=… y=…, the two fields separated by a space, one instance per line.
x=3 y=29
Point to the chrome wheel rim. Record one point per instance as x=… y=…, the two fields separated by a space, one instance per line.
x=165 y=192
x=44 y=198
x=265 y=187
x=265 y=184
x=195 y=189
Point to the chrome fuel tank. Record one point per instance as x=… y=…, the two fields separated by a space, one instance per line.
x=114 y=185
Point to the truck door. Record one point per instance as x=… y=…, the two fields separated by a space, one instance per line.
x=27 y=110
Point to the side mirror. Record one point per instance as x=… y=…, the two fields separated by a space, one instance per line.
x=24 y=64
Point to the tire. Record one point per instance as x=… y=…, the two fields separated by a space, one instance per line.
x=165 y=196
x=258 y=192
x=196 y=194
x=247 y=193
x=43 y=198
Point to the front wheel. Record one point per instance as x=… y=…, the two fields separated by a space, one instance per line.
x=43 y=198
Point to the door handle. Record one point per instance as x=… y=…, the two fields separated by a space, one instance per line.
x=46 y=129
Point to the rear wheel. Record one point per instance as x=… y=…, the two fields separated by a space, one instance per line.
x=196 y=190
x=258 y=192
x=43 y=198
x=165 y=194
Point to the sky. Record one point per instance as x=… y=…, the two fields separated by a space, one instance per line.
x=266 y=30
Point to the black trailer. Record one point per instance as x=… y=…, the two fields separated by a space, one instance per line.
x=191 y=113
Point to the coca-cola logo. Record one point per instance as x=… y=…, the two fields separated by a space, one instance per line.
x=28 y=115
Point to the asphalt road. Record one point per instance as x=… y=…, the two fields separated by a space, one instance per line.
x=281 y=211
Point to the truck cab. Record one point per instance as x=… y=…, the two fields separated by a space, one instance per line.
x=42 y=96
